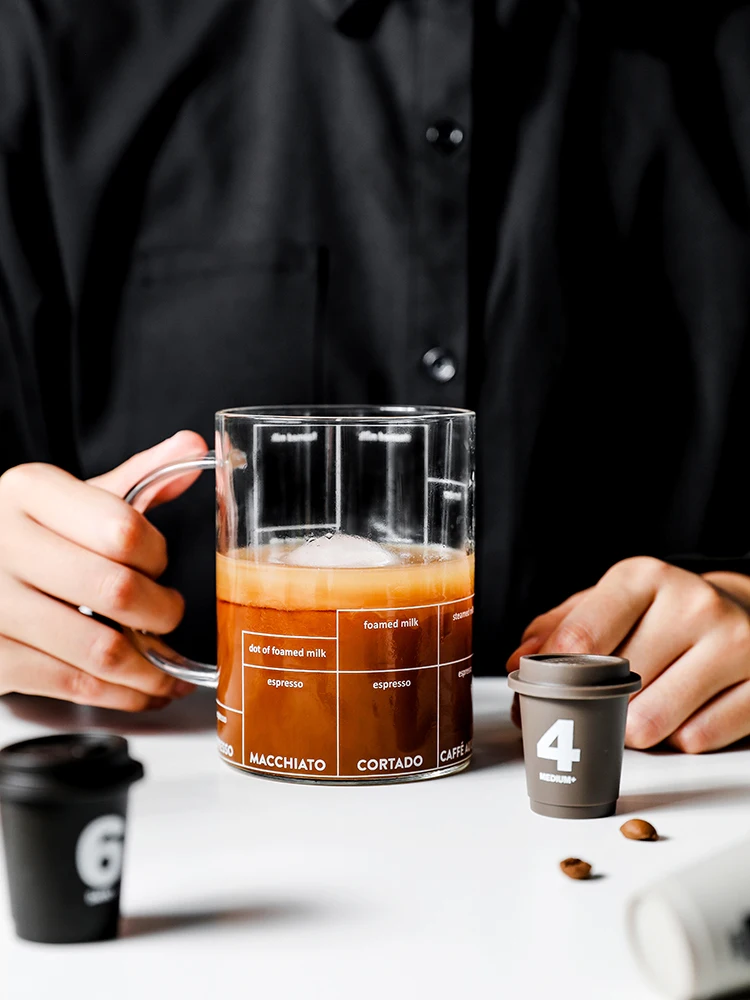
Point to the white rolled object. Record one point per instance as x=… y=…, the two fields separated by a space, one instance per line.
x=691 y=931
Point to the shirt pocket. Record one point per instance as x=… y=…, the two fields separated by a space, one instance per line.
x=204 y=329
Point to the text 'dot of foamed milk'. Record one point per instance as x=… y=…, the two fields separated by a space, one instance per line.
x=301 y=653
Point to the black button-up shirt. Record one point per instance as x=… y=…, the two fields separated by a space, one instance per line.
x=539 y=210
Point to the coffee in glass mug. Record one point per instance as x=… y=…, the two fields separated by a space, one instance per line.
x=344 y=582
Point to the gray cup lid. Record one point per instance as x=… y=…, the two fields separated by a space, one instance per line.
x=577 y=668
x=577 y=675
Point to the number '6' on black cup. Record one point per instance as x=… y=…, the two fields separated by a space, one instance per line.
x=63 y=805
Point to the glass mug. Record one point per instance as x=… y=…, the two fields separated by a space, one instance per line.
x=344 y=585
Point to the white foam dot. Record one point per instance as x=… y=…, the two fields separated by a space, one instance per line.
x=342 y=551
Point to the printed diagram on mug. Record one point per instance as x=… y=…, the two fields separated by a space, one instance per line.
x=318 y=685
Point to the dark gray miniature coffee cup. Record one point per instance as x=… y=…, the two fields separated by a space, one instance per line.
x=63 y=802
x=573 y=713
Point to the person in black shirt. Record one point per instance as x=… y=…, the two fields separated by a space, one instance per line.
x=539 y=211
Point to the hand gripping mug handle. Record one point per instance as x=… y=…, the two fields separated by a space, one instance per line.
x=154 y=649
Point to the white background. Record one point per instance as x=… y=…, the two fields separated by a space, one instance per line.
x=237 y=886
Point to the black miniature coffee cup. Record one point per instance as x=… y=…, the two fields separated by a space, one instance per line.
x=63 y=802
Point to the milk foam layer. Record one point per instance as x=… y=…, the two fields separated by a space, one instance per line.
x=415 y=575
x=339 y=551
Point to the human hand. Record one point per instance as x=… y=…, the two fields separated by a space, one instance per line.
x=65 y=544
x=688 y=636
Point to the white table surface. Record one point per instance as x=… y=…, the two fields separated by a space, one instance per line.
x=241 y=886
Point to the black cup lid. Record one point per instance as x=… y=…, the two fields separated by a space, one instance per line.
x=67 y=765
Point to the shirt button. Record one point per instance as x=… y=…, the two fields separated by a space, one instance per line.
x=440 y=364
x=445 y=135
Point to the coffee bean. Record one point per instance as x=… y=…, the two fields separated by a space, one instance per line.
x=638 y=829
x=575 y=868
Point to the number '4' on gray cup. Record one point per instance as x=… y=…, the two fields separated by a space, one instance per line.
x=573 y=714
x=63 y=803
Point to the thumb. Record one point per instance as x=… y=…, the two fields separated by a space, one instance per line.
x=183 y=445
x=541 y=628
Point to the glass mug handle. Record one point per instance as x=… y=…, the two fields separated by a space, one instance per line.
x=154 y=649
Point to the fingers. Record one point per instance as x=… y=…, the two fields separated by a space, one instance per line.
x=90 y=518
x=532 y=640
x=29 y=671
x=693 y=680
x=600 y=622
x=527 y=648
x=722 y=721
x=686 y=635
x=64 y=542
x=544 y=624
x=717 y=658
x=80 y=577
x=67 y=636
x=686 y=609
x=539 y=629
x=119 y=481
x=734 y=585
x=663 y=635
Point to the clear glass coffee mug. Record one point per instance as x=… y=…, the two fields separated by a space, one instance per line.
x=344 y=584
